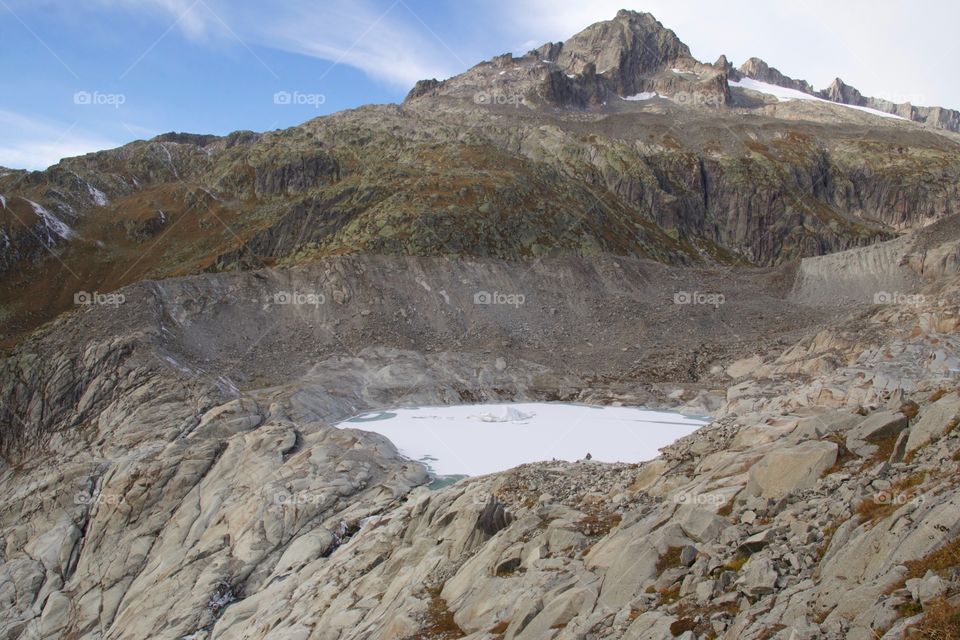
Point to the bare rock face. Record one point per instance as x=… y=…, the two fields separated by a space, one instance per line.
x=936 y=420
x=759 y=70
x=625 y=51
x=788 y=469
x=839 y=91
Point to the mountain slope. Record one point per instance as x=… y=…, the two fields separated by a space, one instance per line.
x=516 y=158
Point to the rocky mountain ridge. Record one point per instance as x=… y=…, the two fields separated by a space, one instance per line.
x=634 y=54
x=842 y=93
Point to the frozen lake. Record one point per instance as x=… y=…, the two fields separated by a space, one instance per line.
x=478 y=439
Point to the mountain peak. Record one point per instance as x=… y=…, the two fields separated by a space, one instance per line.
x=757 y=69
x=839 y=91
x=633 y=56
x=626 y=49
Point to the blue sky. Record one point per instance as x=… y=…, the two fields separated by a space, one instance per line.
x=83 y=75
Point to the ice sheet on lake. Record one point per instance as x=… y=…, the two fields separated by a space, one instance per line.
x=509 y=414
x=480 y=439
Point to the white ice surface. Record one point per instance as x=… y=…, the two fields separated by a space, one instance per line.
x=99 y=197
x=785 y=95
x=645 y=95
x=479 y=439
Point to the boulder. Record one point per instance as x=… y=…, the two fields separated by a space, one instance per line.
x=926 y=589
x=758 y=578
x=757 y=541
x=56 y=614
x=790 y=469
x=700 y=524
x=934 y=421
x=878 y=425
x=820 y=425
x=651 y=625
x=900 y=447
x=558 y=612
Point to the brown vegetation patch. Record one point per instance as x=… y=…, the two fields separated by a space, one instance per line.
x=885 y=503
x=438 y=622
x=941 y=621
x=597 y=524
x=669 y=559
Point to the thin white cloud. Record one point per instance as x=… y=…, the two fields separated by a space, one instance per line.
x=385 y=40
x=31 y=143
x=186 y=15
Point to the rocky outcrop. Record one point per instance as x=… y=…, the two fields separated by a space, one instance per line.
x=759 y=70
x=936 y=117
x=625 y=51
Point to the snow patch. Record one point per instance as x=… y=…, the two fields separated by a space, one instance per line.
x=99 y=197
x=173 y=167
x=3 y=201
x=783 y=94
x=51 y=222
x=644 y=95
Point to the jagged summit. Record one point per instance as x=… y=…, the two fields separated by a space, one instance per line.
x=631 y=54
x=635 y=57
x=759 y=70
x=626 y=50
